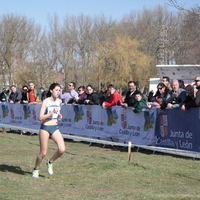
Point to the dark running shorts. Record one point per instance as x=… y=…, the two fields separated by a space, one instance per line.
x=49 y=128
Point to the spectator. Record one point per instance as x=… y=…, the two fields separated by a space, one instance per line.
x=166 y=81
x=140 y=102
x=129 y=99
x=42 y=94
x=92 y=96
x=159 y=102
x=115 y=98
x=24 y=94
x=190 y=100
x=176 y=96
x=68 y=96
x=82 y=96
x=104 y=95
x=181 y=84
x=32 y=95
x=162 y=91
x=15 y=96
x=4 y=95
x=197 y=90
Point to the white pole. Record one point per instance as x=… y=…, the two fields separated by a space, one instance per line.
x=129 y=151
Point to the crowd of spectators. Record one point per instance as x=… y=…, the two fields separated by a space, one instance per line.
x=169 y=95
x=177 y=94
x=28 y=94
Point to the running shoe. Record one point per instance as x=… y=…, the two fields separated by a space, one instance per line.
x=35 y=173
x=50 y=167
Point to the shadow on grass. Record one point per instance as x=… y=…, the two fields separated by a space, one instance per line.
x=185 y=176
x=14 y=169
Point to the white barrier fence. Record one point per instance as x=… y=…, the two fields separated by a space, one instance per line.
x=91 y=121
x=86 y=123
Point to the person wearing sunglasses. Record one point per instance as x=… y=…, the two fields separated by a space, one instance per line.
x=197 y=90
x=92 y=96
x=162 y=91
x=82 y=96
x=166 y=81
x=67 y=96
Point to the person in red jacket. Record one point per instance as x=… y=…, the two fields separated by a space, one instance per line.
x=115 y=97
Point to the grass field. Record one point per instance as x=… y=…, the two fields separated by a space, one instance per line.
x=91 y=172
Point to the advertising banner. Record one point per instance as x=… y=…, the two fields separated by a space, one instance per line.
x=180 y=129
x=91 y=121
x=5 y=113
x=171 y=128
x=116 y=122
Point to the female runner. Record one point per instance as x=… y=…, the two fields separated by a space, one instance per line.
x=49 y=115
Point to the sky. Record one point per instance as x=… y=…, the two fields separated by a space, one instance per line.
x=39 y=10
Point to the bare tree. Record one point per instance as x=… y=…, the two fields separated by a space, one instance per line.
x=103 y=31
x=156 y=29
x=194 y=9
x=65 y=42
x=16 y=34
x=82 y=26
x=95 y=50
x=188 y=43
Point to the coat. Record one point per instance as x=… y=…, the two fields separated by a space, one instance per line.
x=139 y=105
x=114 y=100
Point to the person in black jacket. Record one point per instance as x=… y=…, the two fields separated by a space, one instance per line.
x=15 y=96
x=24 y=98
x=190 y=99
x=162 y=91
x=4 y=95
x=92 y=96
x=104 y=96
x=129 y=99
x=197 y=90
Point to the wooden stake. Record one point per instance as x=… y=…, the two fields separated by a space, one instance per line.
x=4 y=130
x=129 y=151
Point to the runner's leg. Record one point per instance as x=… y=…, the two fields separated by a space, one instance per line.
x=58 y=139
x=43 y=138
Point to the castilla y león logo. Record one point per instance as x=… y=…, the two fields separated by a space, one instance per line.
x=112 y=116
x=149 y=120
x=5 y=111
x=78 y=110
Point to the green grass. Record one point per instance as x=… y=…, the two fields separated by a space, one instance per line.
x=91 y=172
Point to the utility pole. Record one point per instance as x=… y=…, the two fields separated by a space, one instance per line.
x=162 y=45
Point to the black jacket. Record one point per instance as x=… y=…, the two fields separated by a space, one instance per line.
x=129 y=99
x=4 y=96
x=15 y=96
x=189 y=102
x=94 y=98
